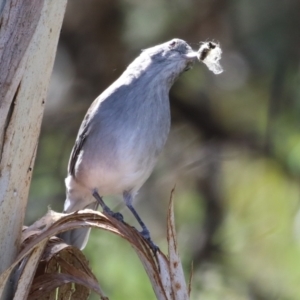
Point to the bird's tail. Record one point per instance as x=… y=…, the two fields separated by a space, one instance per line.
x=78 y=237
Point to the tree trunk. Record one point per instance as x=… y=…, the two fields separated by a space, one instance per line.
x=29 y=31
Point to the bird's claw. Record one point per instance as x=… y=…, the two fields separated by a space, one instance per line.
x=118 y=216
x=146 y=235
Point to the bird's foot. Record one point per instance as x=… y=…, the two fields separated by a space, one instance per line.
x=115 y=215
x=146 y=235
x=105 y=208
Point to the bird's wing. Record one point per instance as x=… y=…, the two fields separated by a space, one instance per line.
x=78 y=145
x=81 y=138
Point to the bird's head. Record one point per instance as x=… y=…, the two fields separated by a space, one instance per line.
x=175 y=53
x=164 y=62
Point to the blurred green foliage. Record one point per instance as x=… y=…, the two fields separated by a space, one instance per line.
x=233 y=152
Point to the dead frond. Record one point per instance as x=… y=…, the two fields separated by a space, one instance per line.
x=47 y=268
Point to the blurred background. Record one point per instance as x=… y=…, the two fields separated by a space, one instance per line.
x=233 y=151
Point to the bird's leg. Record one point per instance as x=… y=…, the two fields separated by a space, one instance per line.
x=145 y=232
x=105 y=208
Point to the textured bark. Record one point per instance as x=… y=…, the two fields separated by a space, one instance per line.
x=29 y=31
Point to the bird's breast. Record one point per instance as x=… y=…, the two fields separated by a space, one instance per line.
x=124 y=142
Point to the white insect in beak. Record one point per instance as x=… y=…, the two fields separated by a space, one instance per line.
x=210 y=54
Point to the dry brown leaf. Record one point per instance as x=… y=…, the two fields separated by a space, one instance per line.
x=27 y=273
x=63 y=266
x=179 y=287
x=69 y=274
x=191 y=279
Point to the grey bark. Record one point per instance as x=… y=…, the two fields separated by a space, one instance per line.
x=29 y=31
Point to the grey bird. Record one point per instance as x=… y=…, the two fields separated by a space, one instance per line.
x=122 y=134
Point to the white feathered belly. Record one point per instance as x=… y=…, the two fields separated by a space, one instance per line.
x=112 y=178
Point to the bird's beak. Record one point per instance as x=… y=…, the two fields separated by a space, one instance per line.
x=191 y=56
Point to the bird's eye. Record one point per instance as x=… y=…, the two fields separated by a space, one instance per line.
x=172 y=44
